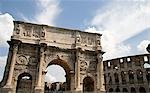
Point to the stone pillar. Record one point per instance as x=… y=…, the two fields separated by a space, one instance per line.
x=72 y=83
x=77 y=70
x=14 y=45
x=135 y=77
x=119 y=77
x=39 y=88
x=100 y=74
x=144 y=77
x=127 y=77
x=113 y=78
x=8 y=88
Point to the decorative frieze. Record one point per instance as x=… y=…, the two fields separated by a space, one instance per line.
x=27 y=30
x=17 y=29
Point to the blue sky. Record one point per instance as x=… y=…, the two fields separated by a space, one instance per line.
x=125 y=24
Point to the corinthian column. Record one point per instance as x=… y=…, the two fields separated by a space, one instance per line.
x=100 y=74
x=77 y=70
x=14 y=49
x=40 y=66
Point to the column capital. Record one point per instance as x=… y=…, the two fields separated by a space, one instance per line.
x=14 y=44
x=100 y=52
x=43 y=47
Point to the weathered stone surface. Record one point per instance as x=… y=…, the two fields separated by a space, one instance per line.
x=128 y=74
x=35 y=47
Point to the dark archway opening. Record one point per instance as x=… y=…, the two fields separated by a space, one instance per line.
x=117 y=90
x=111 y=90
x=131 y=76
x=133 y=90
x=124 y=90
x=139 y=76
x=88 y=84
x=123 y=76
x=142 y=90
x=24 y=83
x=148 y=75
x=116 y=78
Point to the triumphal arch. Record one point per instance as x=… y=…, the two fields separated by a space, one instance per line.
x=34 y=47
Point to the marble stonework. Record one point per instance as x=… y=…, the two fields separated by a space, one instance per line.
x=34 y=47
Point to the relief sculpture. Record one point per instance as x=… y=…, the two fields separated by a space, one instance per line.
x=17 y=29
x=35 y=47
x=36 y=32
x=22 y=60
x=83 y=66
x=27 y=31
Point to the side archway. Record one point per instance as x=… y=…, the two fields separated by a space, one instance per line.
x=124 y=90
x=24 y=83
x=117 y=90
x=133 y=90
x=111 y=90
x=88 y=84
x=142 y=90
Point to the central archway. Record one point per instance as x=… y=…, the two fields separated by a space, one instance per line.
x=65 y=86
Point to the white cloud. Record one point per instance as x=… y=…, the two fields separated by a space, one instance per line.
x=119 y=21
x=143 y=45
x=54 y=76
x=47 y=12
x=146 y=65
x=49 y=78
x=2 y=65
x=3 y=60
x=6 y=28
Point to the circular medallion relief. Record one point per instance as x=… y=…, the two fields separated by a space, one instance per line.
x=22 y=60
x=83 y=65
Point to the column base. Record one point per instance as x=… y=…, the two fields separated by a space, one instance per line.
x=39 y=89
x=78 y=89
x=7 y=89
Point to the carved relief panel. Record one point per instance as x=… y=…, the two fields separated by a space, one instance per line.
x=87 y=39
x=88 y=63
x=16 y=29
x=27 y=30
x=84 y=66
x=36 y=31
x=22 y=60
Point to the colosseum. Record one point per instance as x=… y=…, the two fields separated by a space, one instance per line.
x=128 y=74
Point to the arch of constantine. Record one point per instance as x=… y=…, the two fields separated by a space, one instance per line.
x=34 y=47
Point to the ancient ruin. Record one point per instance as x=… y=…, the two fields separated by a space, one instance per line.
x=34 y=47
x=129 y=74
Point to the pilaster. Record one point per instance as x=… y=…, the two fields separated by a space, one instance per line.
x=100 y=73
x=14 y=44
x=72 y=83
x=39 y=87
x=77 y=69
